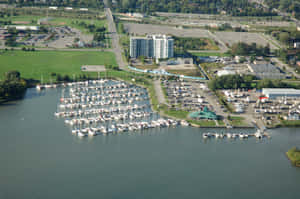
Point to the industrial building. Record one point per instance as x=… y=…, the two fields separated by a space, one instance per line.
x=23 y=28
x=273 y=93
x=266 y=71
x=152 y=46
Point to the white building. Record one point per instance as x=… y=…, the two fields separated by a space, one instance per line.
x=53 y=7
x=162 y=46
x=273 y=93
x=35 y=28
x=225 y=72
x=154 y=46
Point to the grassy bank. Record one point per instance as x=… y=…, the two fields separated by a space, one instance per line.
x=294 y=155
x=44 y=63
x=289 y=123
x=237 y=121
x=203 y=123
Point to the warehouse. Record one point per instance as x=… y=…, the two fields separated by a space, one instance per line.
x=266 y=71
x=273 y=93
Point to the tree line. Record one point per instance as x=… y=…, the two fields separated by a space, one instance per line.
x=233 y=7
x=290 y=6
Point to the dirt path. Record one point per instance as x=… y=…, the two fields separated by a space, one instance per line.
x=159 y=92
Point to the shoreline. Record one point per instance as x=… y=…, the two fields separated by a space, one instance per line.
x=158 y=109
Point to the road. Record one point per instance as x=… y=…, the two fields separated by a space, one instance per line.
x=117 y=49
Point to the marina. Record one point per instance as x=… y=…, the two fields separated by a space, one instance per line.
x=106 y=106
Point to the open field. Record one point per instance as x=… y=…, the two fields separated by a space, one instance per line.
x=43 y=63
x=143 y=29
x=247 y=37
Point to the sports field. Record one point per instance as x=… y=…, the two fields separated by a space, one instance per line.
x=42 y=63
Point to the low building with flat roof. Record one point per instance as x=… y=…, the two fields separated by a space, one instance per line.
x=273 y=93
x=266 y=71
x=35 y=28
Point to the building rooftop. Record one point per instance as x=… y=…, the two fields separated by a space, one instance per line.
x=282 y=91
x=266 y=71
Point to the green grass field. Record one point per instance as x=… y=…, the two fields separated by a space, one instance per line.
x=43 y=63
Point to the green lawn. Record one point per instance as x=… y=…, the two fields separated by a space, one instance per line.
x=43 y=63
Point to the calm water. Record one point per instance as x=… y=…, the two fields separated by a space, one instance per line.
x=41 y=159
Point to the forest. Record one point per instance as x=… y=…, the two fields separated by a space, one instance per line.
x=290 y=6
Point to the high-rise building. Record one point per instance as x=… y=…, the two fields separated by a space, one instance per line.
x=153 y=46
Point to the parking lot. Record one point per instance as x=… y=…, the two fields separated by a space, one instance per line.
x=57 y=37
x=246 y=37
x=184 y=95
x=143 y=29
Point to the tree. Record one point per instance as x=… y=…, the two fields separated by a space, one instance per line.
x=284 y=37
x=12 y=75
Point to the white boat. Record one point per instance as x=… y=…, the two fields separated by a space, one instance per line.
x=258 y=134
x=92 y=133
x=205 y=135
x=39 y=87
x=80 y=134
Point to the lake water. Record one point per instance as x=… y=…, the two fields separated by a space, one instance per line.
x=41 y=159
